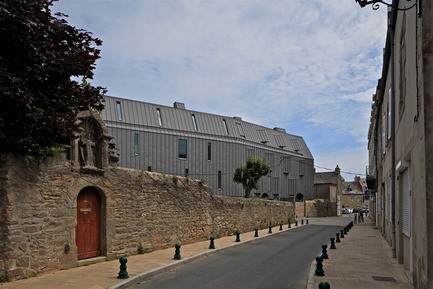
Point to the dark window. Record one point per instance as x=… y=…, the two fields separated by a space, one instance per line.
x=158 y=112
x=186 y=172
x=225 y=126
x=182 y=148
x=149 y=168
x=209 y=151
x=219 y=180
x=119 y=110
x=136 y=144
x=194 y=122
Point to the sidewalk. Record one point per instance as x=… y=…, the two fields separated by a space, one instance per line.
x=104 y=275
x=362 y=260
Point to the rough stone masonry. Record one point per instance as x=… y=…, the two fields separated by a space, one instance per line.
x=38 y=213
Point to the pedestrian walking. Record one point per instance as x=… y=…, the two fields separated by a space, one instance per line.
x=361 y=217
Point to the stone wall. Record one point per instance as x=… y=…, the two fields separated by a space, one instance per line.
x=315 y=208
x=38 y=213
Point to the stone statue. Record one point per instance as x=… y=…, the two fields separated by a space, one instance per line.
x=87 y=147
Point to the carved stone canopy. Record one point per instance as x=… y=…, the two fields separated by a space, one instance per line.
x=90 y=145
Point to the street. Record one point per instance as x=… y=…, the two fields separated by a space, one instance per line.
x=282 y=261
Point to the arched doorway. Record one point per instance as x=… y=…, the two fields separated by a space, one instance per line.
x=88 y=230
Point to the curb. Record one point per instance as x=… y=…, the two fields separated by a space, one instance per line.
x=310 y=282
x=149 y=274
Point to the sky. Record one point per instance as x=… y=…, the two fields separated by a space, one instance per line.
x=308 y=66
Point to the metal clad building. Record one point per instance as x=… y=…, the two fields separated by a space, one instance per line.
x=177 y=141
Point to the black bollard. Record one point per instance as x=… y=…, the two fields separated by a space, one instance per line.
x=281 y=226
x=319 y=267
x=332 y=244
x=123 y=274
x=256 y=234
x=289 y=225
x=324 y=251
x=212 y=244
x=337 y=240
x=342 y=234
x=296 y=223
x=324 y=285
x=238 y=238
x=345 y=230
x=302 y=221
x=177 y=252
x=307 y=220
x=270 y=230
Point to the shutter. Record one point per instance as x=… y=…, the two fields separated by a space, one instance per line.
x=407 y=204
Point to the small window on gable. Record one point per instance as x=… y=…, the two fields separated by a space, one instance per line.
x=240 y=129
x=262 y=136
x=158 y=113
x=280 y=141
x=209 y=151
x=194 y=121
x=295 y=145
x=226 y=129
x=119 y=110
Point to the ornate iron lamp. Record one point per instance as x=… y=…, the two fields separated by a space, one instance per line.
x=375 y=4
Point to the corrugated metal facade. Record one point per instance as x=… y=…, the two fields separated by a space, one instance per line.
x=147 y=136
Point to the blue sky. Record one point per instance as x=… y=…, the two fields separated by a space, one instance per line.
x=308 y=66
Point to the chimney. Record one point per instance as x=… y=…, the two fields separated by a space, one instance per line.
x=179 y=105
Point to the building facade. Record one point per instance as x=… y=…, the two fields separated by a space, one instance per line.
x=400 y=172
x=208 y=147
x=355 y=194
x=329 y=186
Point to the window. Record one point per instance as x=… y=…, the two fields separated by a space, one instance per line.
x=209 y=151
x=407 y=203
x=182 y=148
x=292 y=187
x=219 y=180
x=158 y=113
x=302 y=168
x=262 y=136
x=119 y=110
x=240 y=129
x=286 y=164
x=149 y=168
x=402 y=65
x=225 y=127
x=280 y=141
x=384 y=134
x=389 y=120
x=136 y=144
x=186 y=172
x=194 y=122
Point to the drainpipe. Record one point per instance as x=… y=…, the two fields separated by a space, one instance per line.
x=393 y=176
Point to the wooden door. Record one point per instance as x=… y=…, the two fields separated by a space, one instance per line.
x=88 y=230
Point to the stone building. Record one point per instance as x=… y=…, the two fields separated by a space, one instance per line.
x=401 y=140
x=177 y=141
x=354 y=194
x=329 y=186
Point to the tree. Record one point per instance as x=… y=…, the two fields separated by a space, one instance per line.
x=250 y=174
x=40 y=54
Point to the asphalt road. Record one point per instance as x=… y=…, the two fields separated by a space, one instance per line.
x=281 y=261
